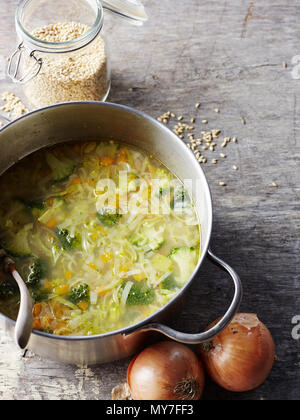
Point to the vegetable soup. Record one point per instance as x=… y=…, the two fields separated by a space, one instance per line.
x=102 y=233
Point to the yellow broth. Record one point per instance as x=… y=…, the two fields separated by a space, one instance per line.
x=78 y=221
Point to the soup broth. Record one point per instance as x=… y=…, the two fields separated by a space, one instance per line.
x=103 y=234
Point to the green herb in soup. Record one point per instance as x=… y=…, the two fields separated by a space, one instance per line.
x=102 y=234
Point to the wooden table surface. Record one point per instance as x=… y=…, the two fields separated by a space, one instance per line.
x=227 y=55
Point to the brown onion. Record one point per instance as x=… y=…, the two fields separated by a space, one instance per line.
x=241 y=357
x=166 y=371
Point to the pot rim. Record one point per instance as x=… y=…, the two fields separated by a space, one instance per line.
x=181 y=145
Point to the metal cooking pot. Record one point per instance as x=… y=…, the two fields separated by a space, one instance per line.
x=82 y=121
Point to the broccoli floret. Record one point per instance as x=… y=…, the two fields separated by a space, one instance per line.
x=140 y=294
x=33 y=205
x=184 y=261
x=18 y=245
x=79 y=293
x=62 y=170
x=169 y=283
x=38 y=270
x=68 y=241
x=108 y=217
x=8 y=289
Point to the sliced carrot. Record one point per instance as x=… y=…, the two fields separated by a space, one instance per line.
x=61 y=290
x=123 y=156
x=139 y=277
x=37 y=309
x=51 y=224
x=46 y=322
x=37 y=325
x=61 y=332
x=106 y=161
x=76 y=181
x=83 y=305
x=48 y=284
x=101 y=292
x=61 y=324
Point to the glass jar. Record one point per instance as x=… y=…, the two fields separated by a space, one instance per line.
x=62 y=55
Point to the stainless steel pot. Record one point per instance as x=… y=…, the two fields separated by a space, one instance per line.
x=82 y=121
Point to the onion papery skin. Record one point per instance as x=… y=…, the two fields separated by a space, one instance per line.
x=166 y=371
x=241 y=357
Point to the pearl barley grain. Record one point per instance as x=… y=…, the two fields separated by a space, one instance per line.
x=80 y=75
x=13 y=105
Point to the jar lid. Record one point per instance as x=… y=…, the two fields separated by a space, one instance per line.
x=132 y=10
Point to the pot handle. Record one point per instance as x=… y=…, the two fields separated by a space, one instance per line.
x=216 y=329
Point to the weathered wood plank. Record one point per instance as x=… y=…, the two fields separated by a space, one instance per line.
x=228 y=55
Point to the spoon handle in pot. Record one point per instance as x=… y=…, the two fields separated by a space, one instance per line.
x=217 y=328
x=23 y=327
